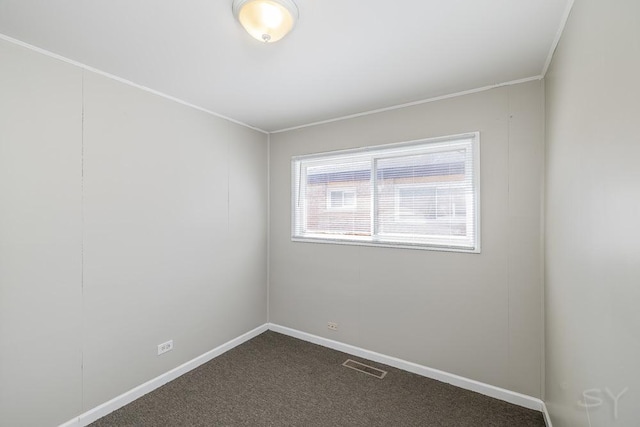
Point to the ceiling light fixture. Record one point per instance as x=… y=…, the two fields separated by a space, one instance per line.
x=266 y=20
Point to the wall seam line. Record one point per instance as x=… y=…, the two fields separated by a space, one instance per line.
x=82 y=235
x=542 y=249
x=509 y=121
x=268 y=227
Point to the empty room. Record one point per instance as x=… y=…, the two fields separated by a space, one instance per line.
x=319 y=213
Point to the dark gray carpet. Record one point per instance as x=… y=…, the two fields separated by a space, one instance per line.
x=276 y=380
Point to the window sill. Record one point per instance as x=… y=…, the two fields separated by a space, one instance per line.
x=354 y=242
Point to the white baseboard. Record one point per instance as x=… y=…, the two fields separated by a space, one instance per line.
x=137 y=392
x=456 y=380
x=488 y=390
x=545 y=414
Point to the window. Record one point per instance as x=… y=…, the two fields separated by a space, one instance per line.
x=342 y=198
x=442 y=208
x=421 y=194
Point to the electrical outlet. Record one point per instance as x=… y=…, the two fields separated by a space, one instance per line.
x=165 y=346
x=332 y=326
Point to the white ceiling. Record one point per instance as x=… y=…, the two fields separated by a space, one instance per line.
x=343 y=57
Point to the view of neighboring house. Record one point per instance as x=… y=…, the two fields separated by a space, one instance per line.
x=423 y=194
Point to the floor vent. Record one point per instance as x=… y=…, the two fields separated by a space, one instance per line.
x=369 y=370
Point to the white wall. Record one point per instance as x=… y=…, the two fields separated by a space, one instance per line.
x=592 y=210
x=127 y=220
x=476 y=315
x=40 y=238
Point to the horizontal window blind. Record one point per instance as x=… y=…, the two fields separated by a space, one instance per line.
x=422 y=194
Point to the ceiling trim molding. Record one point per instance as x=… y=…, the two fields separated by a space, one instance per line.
x=125 y=81
x=554 y=45
x=411 y=104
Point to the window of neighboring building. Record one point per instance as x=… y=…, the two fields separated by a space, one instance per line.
x=415 y=202
x=341 y=198
x=422 y=194
x=443 y=208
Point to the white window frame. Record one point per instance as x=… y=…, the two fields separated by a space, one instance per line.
x=386 y=239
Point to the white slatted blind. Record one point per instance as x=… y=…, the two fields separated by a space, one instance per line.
x=421 y=194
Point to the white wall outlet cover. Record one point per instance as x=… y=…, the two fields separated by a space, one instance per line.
x=165 y=346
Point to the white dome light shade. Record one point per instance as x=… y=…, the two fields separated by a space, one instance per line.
x=266 y=20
